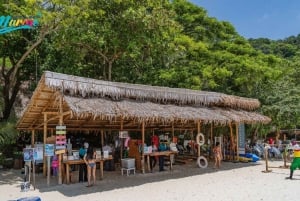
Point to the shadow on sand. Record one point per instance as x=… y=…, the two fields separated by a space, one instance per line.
x=114 y=180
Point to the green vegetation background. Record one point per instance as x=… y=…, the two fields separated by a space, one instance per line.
x=155 y=42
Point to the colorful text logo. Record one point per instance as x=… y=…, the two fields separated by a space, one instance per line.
x=9 y=24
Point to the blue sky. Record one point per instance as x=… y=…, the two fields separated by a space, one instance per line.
x=273 y=19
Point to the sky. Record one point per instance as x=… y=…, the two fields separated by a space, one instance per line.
x=273 y=19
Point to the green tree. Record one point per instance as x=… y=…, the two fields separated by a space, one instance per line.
x=121 y=33
x=18 y=46
x=212 y=56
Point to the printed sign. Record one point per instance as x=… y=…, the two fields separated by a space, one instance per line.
x=123 y=134
x=49 y=149
x=38 y=151
x=9 y=24
x=242 y=139
x=28 y=154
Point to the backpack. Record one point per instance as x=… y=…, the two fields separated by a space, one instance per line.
x=82 y=152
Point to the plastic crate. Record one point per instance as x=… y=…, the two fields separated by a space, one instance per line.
x=128 y=163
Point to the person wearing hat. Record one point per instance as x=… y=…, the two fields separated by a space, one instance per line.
x=296 y=161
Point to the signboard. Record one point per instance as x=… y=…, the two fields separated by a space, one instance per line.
x=61 y=127
x=49 y=149
x=242 y=140
x=123 y=134
x=61 y=139
x=9 y=23
x=38 y=151
x=28 y=154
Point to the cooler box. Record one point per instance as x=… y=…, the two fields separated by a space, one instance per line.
x=128 y=163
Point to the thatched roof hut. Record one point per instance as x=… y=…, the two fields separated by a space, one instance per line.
x=84 y=103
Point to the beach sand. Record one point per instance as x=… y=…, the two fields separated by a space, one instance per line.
x=233 y=182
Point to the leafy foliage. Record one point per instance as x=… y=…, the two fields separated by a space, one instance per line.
x=8 y=133
x=168 y=43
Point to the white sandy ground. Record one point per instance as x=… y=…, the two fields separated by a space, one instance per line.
x=233 y=182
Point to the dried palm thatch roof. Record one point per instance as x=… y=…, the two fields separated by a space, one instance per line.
x=154 y=112
x=95 y=104
x=86 y=87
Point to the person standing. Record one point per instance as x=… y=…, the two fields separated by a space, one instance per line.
x=55 y=165
x=90 y=161
x=296 y=161
x=82 y=167
x=108 y=164
x=218 y=155
x=161 y=158
x=155 y=145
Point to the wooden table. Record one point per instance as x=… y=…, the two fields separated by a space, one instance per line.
x=81 y=161
x=160 y=153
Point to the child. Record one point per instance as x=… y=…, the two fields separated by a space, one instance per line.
x=54 y=165
x=218 y=155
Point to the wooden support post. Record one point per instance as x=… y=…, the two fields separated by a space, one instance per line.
x=143 y=142
x=32 y=138
x=237 y=141
x=232 y=144
x=102 y=138
x=121 y=140
x=33 y=163
x=44 y=140
x=172 y=131
x=60 y=155
x=211 y=138
x=284 y=156
x=48 y=170
x=198 y=131
x=266 y=159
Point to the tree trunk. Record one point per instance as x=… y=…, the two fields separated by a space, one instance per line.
x=12 y=78
x=10 y=92
x=109 y=70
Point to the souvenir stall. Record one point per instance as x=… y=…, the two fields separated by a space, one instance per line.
x=84 y=104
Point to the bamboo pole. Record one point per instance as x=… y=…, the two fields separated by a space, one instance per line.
x=266 y=159
x=172 y=131
x=32 y=138
x=143 y=142
x=121 y=139
x=232 y=144
x=102 y=138
x=199 y=131
x=211 y=138
x=44 y=140
x=237 y=140
x=33 y=163
x=61 y=116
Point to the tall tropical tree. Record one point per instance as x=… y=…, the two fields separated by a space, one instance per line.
x=18 y=46
x=122 y=33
